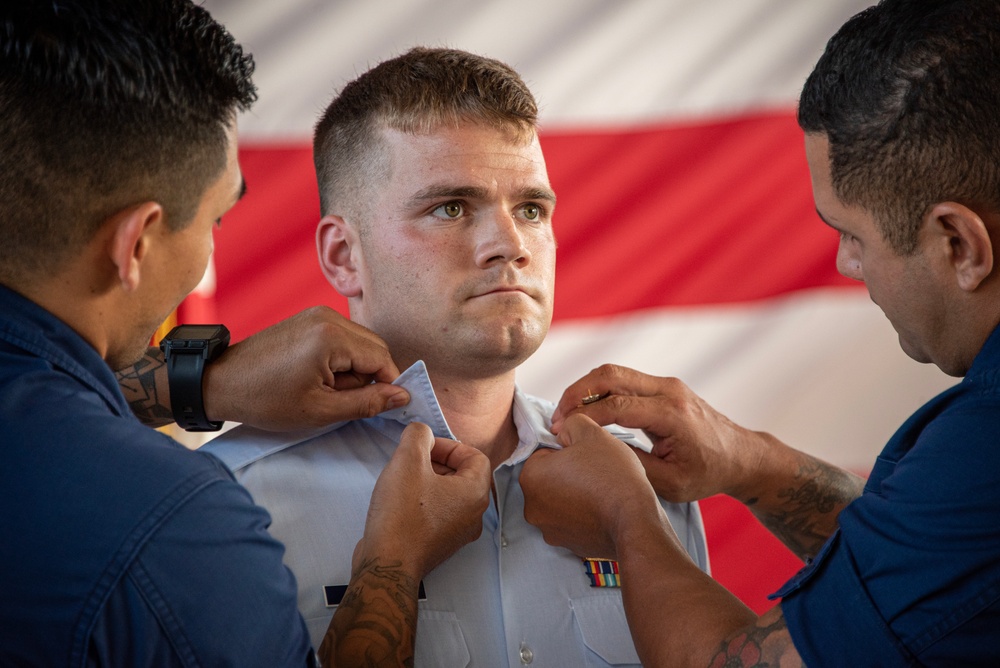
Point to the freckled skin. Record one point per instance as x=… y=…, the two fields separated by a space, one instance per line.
x=459 y=218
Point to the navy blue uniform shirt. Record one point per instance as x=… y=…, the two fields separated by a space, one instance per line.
x=912 y=577
x=118 y=546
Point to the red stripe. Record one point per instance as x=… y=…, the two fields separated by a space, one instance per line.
x=714 y=213
x=685 y=215
x=746 y=559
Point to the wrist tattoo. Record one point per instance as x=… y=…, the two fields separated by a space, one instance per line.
x=375 y=623
x=146 y=397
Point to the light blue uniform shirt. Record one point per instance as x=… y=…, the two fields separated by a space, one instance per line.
x=507 y=598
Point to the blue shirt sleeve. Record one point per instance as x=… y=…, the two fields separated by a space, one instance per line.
x=912 y=577
x=208 y=589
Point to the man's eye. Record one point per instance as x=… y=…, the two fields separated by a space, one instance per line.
x=450 y=210
x=532 y=211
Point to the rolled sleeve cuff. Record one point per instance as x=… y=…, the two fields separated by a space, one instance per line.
x=831 y=618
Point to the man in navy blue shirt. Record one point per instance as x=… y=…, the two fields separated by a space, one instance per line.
x=119 y=546
x=902 y=132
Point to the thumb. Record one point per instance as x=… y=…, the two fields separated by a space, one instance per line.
x=579 y=428
x=417 y=441
x=465 y=460
x=367 y=401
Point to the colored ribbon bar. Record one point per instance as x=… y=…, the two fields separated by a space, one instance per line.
x=602 y=572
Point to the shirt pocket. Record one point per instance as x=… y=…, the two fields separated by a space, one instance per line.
x=605 y=632
x=440 y=641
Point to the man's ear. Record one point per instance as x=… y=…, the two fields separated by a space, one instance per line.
x=339 y=250
x=966 y=240
x=130 y=240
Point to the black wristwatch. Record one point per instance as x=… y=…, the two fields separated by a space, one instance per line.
x=186 y=349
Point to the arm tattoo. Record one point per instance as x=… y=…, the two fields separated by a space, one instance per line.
x=804 y=515
x=376 y=622
x=758 y=647
x=144 y=385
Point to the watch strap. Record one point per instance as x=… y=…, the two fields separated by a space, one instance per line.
x=185 y=371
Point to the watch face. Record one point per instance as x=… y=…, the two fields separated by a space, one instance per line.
x=196 y=332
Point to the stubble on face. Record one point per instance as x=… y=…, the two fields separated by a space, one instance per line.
x=432 y=292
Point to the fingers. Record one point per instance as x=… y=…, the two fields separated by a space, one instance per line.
x=370 y=361
x=324 y=315
x=579 y=431
x=463 y=459
x=355 y=353
x=669 y=481
x=362 y=402
x=444 y=453
x=437 y=513
x=575 y=495
x=419 y=438
x=349 y=347
x=580 y=428
x=606 y=381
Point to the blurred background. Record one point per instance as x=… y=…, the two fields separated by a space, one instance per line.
x=689 y=245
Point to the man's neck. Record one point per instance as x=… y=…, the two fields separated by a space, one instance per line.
x=480 y=412
x=72 y=297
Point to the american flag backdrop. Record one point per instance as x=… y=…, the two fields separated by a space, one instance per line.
x=688 y=241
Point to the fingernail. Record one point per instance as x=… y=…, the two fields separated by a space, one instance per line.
x=397 y=400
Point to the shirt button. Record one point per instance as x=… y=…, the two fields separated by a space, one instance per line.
x=526 y=655
x=503 y=540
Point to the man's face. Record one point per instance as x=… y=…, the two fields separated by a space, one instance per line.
x=905 y=287
x=177 y=260
x=457 y=255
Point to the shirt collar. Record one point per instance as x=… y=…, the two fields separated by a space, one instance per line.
x=254 y=444
x=423 y=406
x=988 y=357
x=532 y=418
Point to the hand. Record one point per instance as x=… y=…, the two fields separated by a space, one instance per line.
x=593 y=497
x=697 y=451
x=310 y=370
x=583 y=496
x=418 y=516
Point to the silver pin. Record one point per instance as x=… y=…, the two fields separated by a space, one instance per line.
x=591 y=398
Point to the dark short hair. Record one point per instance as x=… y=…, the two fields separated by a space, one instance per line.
x=105 y=104
x=417 y=92
x=908 y=93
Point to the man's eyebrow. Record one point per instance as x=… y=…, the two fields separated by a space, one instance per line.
x=243 y=189
x=546 y=194
x=475 y=192
x=440 y=192
x=825 y=220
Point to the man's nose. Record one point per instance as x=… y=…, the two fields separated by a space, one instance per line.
x=500 y=239
x=848 y=263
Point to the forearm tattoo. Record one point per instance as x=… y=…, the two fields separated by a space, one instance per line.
x=759 y=647
x=145 y=387
x=376 y=622
x=804 y=515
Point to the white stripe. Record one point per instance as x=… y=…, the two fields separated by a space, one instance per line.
x=821 y=370
x=587 y=61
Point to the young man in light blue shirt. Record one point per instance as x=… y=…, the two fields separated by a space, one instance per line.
x=437 y=227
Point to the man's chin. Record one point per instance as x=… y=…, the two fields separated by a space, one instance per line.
x=127 y=358
x=918 y=354
x=503 y=353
